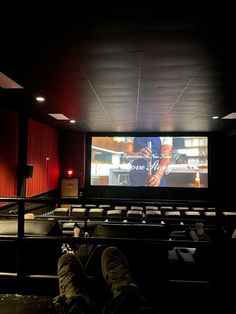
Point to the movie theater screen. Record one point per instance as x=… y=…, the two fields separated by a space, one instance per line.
x=165 y=161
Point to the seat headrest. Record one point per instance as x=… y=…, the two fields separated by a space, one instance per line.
x=137 y=231
x=32 y=227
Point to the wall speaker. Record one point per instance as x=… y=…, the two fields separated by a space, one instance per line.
x=28 y=171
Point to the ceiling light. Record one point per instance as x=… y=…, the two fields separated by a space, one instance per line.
x=215 y=117
x=232 y=115
x=40 y=99
x=72 y=121
x=58 y=116
x=6 y=82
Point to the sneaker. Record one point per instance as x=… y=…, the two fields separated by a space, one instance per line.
x=115 y=269
x=71 y=278
x=70 y=275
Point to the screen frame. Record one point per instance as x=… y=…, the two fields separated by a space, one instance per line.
x=147 y=192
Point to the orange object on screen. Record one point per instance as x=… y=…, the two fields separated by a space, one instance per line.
x=197 y=180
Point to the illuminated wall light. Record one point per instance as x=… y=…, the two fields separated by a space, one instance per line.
x=72 y=121
x=215 y=117
x=40 y=99
x=70 y=172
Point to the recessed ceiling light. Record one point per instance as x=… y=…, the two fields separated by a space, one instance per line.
x=40 y=99
x=215 y=117
x=58 y=116
x=72 y=121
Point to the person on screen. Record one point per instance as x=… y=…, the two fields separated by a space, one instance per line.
x=151 y=157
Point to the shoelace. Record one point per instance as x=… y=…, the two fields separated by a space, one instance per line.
x=67 y=284
x=118 y=276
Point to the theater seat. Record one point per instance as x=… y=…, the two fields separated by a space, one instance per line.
x=153 y=213
x=192 y=213
x=79 y=212
x=148 y=261
x=140 y=208
x=227 y=213
x=61 y=211
x=210 y=214
x=105 y=206
x=134 y=213
x=166 y=208
x=173 y=213
x=198 y=208
x=38 y=257
x=122 y=208
x=8 y=227
x=182 y=208
x=114 y=214
x=96 y=213
x=148 y=207
x=76 y=205
x=129 y=230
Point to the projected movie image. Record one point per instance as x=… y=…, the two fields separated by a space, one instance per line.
x=150 y=161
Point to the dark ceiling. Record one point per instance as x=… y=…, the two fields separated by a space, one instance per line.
x=164 y=68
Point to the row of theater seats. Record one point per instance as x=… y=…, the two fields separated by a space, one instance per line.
x=177 y=216
x=93 y=211
x=159 y=263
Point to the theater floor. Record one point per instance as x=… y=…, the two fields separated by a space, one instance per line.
x=26 y=304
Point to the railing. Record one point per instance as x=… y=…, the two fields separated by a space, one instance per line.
x=21 y=240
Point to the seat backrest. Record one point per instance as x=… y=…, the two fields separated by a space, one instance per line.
x=127 y=230
x=148 y=259
x=38 y=257
x=8 y=227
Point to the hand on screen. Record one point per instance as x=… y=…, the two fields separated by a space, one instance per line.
x=146 y=153
x=154 y=180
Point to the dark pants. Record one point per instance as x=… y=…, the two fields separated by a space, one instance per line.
x=129 y=301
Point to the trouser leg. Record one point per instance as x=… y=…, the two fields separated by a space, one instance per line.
x=129 y=301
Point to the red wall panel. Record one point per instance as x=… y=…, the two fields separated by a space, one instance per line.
x=43 y=155
x=8 y=153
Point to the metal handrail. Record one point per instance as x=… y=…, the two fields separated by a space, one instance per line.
x=22 y=239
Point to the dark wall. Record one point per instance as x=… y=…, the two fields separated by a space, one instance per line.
x=226 y=171
x=221 y=172
x=72 y=154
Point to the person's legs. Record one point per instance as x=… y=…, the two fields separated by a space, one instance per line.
x=82 y=251
x=76 y=230
x=201 y=232
x=72 y=248
x=126 y=295
x=73 y=297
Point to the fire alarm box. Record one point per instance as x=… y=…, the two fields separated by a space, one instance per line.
x=69 y=187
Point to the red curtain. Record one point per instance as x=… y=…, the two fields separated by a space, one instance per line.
x=8 y=153
x=43 y=155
